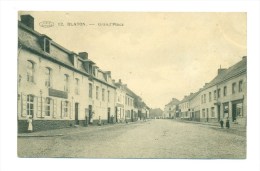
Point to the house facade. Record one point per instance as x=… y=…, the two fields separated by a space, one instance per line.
x=225 y=97
x=171 y=109
x=57 y=87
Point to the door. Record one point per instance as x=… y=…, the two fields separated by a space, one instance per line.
x=77 y=113
x=116 y=113
x=218 y=112
x=108 y=115
x=132 y=116
x=90 y=114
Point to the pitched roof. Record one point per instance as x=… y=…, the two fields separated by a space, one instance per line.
x=174 y=101
x=226 y=74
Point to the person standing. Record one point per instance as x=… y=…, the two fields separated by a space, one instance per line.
x=221 y=123
x=227 y=124
x=30 y=126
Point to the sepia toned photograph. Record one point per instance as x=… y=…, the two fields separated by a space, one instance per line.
x=132 y=85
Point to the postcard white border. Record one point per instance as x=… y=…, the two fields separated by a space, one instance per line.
x=8 y=70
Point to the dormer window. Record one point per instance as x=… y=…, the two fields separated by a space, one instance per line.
x=47 y=45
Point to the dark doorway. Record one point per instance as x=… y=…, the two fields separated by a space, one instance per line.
x=218 y=112
x=132 y=115
x=108 y=115
x=116 y=114
x=77 y=113
x=90 y=114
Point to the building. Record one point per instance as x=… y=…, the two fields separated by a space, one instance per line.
x=225 y=97
x=156 y=113
x=131 y=109
x=57 y=87
x=171 y=109
x=124 y=103
x=195 y=106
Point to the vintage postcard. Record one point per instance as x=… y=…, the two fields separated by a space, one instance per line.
x=132 y=85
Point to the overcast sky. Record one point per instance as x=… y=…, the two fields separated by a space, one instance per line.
x=158 y=55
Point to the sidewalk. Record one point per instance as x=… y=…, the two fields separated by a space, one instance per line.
x=234 y=128
x=70 y=130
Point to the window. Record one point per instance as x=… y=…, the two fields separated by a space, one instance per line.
x=212 y=112
x=234 y=88
x=47 y=77
x=30 y=105
x=125 y=100
x=66 y=83
x=90 y=90
x=30 y=71
x=47 y=45
x=209 y=96
x=103 y=94
x=215 y=94
x=219 y=91
x=76 y=86
x=97 y=92
x=204 y=98
x=240 y=86
x=201 y=99
x=47 y=106
x=108 y=96
x=225 y=91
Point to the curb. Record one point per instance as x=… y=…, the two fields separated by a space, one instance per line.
x=27 y=135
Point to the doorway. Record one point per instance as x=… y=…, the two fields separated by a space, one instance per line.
x=77 y=113
x=108 y=115
x=218 y=112
x=90 y=114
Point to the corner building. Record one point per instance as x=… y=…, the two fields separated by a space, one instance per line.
x=57 y=87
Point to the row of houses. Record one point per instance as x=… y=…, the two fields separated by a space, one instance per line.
x=60 y=88
x=224 y=97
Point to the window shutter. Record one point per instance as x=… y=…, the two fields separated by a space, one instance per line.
x=54 y=108
x=42 y=106
x=24 y=105
x=61 y=110
x=36 y=107
x=70 y=109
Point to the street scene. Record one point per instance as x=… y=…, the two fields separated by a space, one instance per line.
x=109 y=85
x=159 y=138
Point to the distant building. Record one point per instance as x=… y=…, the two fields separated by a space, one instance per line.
x=156 y=113
x=171 y=109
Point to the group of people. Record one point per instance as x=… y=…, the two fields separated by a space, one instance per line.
x=227 y=123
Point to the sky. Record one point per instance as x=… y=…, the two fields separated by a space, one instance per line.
x=159 y=56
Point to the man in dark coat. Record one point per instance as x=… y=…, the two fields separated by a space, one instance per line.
x=227 y=124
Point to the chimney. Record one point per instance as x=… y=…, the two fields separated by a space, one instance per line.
x=83 y=55
x=120 y=81
x=244 y=57
x=28 y=20
x=108 y=73
x=221 y=70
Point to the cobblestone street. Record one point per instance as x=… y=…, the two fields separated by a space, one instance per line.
x=151 y=139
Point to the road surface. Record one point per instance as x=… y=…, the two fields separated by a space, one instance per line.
x=158 y=138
